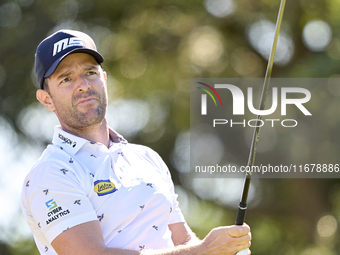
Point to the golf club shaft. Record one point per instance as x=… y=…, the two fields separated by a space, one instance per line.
x=241 y=213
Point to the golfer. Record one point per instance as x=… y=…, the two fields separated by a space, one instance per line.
x=92 y=192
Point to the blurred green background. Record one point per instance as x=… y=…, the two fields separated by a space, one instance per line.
x=152 y=48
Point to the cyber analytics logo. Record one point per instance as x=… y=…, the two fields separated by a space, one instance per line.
x=51 y=204
x=240 y=100
x=55 y=211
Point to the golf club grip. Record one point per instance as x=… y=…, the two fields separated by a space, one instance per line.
x=241 y=214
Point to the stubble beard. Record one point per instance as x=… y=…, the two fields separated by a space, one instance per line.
x=76 y=119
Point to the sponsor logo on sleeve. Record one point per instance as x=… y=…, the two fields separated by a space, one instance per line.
x=55 y=212
x=104 y=187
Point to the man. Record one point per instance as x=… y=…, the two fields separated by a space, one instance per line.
x=91 y=192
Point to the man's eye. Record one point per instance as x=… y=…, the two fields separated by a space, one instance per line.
x=91 y=73
x=65 y=80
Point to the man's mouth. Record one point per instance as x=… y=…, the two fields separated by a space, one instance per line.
x=86 y=100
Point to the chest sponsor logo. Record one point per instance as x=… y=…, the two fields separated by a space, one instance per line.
x=104 y=187
x=55 y=211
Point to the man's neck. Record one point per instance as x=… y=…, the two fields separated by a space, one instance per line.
x=97 y=133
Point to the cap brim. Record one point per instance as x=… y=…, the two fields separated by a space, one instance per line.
x=98 y=57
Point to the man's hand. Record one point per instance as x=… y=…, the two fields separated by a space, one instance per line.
x=227 y=240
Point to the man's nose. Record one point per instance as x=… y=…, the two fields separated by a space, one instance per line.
x=83 y=84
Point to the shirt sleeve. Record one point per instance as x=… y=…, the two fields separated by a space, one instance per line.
x=55 y=199
x=176 y=213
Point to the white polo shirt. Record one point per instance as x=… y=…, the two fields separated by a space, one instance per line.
x=127 y=188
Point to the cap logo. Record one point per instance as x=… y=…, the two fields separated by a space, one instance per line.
x=65 y=43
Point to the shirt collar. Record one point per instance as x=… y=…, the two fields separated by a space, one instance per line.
x=116 y=138
x=72 y=143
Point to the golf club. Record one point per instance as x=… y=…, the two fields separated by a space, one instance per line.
x=241 y=213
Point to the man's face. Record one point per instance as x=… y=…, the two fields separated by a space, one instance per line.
x=77 y=91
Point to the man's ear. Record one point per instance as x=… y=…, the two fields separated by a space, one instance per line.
x=105 y=77
x=45 y=98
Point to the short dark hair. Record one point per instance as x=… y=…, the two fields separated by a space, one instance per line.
x=45 y=86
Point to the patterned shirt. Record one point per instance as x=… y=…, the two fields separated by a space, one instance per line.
x=126 y=187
